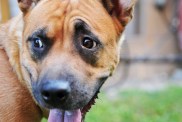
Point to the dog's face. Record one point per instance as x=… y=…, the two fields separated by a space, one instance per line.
x=69 y=48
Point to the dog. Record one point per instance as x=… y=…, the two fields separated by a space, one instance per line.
x=55 y=56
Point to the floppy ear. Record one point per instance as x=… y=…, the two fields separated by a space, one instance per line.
x=121 y=9
x=25 y=5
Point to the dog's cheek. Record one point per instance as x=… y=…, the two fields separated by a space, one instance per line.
x=108 y=61
x=29 y=67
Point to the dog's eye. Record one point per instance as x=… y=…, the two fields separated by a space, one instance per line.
x=89 y=43
x=38 y=43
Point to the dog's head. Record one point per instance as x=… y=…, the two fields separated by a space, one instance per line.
x=69 y=48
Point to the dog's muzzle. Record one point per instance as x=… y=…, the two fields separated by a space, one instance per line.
x=67 y=100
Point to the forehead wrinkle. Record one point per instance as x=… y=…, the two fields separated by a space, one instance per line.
x=95 y=15
x=86 y=10
x=54 y=14
x=55 y=20
x=44 y=13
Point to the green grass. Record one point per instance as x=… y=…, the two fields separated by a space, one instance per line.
x=139 y=106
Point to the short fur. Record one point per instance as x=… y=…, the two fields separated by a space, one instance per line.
x=20 y=68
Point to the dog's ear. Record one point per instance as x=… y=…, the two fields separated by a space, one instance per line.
x=121 y=9
x=26 y=5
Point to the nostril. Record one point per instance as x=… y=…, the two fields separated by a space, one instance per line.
x=46 y=95
x=61 y=95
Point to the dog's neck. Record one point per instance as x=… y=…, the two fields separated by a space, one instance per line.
x=10 y=38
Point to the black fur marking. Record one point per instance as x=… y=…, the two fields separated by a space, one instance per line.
x=39 y=54
x=82 y=31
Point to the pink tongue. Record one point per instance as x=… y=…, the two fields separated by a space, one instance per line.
x=56 y=115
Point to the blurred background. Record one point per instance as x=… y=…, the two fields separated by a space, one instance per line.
x=146 y=86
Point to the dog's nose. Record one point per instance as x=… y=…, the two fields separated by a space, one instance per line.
x=55 y=93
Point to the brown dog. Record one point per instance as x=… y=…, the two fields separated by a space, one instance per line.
x=56 y=55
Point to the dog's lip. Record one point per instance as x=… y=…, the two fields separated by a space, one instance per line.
x=86 y=108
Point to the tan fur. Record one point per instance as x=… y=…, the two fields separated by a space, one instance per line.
x=102 y=26
x=16 y=62
x=15 y=100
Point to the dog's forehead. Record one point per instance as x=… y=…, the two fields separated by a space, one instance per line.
x=55 y=14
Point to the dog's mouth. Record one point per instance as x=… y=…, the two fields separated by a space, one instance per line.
x=56 y=115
